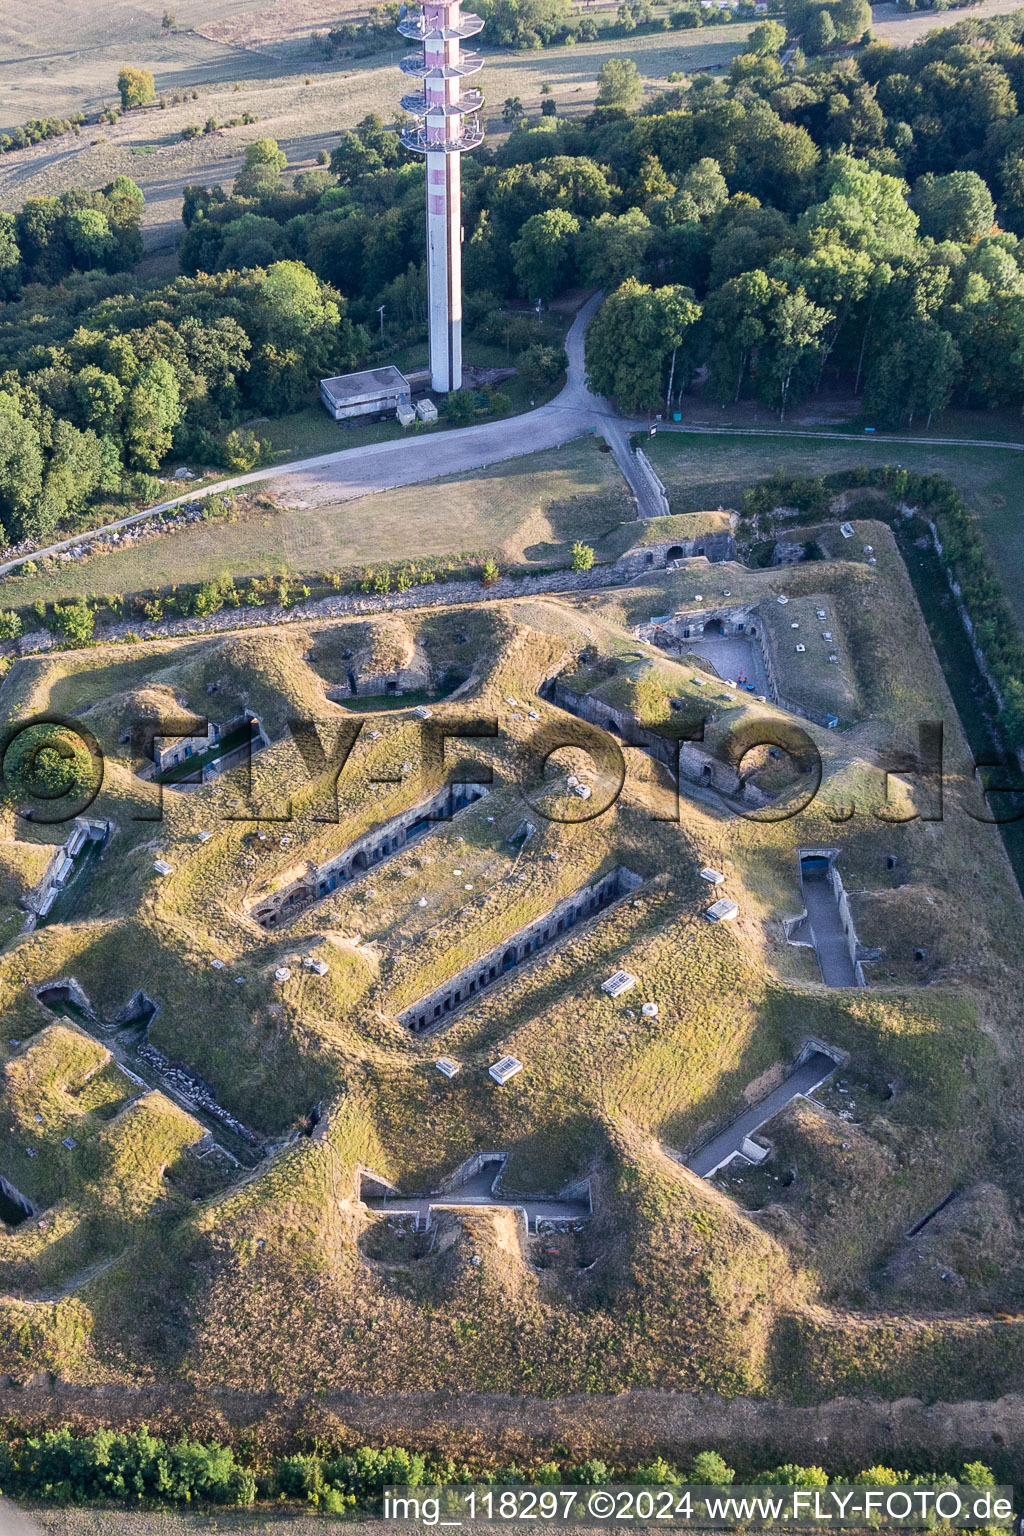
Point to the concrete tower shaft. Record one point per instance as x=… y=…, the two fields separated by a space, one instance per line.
x=447 y=125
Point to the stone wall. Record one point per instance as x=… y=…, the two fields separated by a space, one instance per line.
x=742 y=619
x=653 y=501
x=366 y=852
x=441 y=594
x=439 y=1006
x=713 y=547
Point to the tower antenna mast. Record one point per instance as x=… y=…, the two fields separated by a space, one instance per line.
x=446 y=126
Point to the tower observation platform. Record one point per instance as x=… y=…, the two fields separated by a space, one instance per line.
x=447 y=125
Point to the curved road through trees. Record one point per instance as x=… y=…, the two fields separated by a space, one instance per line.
x=350 y=473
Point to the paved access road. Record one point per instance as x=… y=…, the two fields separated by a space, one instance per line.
x=353 y=472
x=803 y=1079
x=830 y=942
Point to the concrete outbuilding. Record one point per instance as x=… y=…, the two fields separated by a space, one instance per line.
x=374 y=392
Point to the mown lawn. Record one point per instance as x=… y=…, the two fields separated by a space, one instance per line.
x=527 y=511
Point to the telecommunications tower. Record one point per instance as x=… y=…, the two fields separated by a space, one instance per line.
x=447 y=125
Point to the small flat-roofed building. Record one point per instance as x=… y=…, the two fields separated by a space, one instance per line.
x=507 y=1067
x=712 y=876
x=373 y=392
x=447 y=1066
x=722 y=911
x=622 y=981
x=64 y=867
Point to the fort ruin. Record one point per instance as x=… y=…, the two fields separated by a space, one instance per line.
x=439 y=1006
x=367 y=852
x=208 y=754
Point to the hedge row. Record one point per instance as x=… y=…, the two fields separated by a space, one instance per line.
x=61 y=1467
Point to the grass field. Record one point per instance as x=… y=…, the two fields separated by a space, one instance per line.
x=704 y=472
x=305 y=118
x=527 y=511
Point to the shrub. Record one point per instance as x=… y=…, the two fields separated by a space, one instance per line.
x=242 y=450
x=459 y=407
x=10 y=624
x=143 y=488
x=541 y=365
x=75 y=620
x=708 y=1467
x=489 y=573
x=582 y=556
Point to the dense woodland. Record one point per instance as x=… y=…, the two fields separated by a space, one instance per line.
x=851 y=224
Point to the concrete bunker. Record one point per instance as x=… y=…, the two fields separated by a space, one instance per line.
x=322 y=880
x=15 y=1208
x=688 y=762
x=477 y=1183
x=70 y=871
x=813 y=1066
x=826 y=923
x=440 y=1005
x=186 y=761
x=138 y=1012
x=66 y=996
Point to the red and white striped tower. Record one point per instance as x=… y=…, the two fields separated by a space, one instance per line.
x=447 y=126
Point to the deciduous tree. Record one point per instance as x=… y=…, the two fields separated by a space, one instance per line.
x=137 y=87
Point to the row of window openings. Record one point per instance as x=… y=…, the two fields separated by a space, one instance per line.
x=512 y=957
x=189 y=750
x=374 y=858
x=738 y=630
x=387 y=847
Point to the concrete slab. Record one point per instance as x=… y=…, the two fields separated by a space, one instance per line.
x=732 y=656
x=803 y=1079
x=830 y=942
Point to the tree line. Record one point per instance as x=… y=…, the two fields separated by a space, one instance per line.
x=102 y=378
x=136 y=1465
x=847 y=223
x=852 y=223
